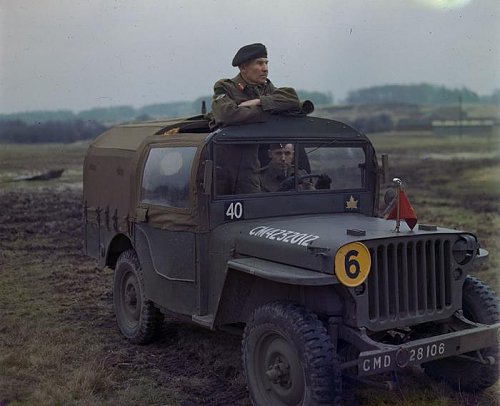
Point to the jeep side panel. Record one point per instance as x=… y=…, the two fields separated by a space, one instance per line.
x=168 y=262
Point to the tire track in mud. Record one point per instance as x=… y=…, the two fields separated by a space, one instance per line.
x=44 y=227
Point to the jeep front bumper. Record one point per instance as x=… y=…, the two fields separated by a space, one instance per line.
x=376 y=357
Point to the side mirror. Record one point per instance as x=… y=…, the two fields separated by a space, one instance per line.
x=389 y=196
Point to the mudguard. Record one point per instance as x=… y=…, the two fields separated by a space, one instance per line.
x=281 y=273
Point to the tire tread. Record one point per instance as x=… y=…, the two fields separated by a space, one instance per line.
x=320 y=357
x=151 y=319
x=480 y=305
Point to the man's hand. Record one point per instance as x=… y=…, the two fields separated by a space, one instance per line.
x=323 y=182
x=248 y=103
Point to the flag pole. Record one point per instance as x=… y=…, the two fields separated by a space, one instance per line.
x=399 y=185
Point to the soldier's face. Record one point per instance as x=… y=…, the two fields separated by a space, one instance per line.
x=282 y=158
x=255 y=72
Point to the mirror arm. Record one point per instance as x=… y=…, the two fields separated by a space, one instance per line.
x=385 y=167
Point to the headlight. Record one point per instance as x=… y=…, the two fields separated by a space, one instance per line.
x=465 y=249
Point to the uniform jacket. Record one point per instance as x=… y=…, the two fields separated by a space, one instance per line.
x=270 y=179
x=229 y=93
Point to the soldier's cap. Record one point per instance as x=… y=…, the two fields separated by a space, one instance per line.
x=272 y=147
x=249 y=52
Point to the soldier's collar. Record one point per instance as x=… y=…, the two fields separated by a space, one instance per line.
x=241 y=84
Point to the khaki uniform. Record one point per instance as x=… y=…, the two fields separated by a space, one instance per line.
x=229 y=93
x=236 y=169
x=270 y=179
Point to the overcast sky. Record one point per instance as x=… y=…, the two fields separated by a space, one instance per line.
x=70 y=54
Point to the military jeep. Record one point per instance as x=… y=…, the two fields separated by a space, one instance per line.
x=320 y=285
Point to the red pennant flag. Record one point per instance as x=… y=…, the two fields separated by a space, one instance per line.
x=406 y=211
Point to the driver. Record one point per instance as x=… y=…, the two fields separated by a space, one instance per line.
x=280 y=167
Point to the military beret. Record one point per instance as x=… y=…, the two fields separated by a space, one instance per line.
x=249 y=52
x=277 y=146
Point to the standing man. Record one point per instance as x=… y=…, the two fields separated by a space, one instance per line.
x=250 y=96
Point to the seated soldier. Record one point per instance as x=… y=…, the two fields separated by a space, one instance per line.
x=279 y=169
x=237 y=169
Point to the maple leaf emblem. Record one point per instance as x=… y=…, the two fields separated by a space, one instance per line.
x=352 y=203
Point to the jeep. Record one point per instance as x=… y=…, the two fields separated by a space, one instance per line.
x=320 y=285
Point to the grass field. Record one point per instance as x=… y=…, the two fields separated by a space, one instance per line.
x=59 y=344
x=451 y=181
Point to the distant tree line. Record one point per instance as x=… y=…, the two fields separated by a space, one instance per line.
x=17 y=131
x=373 y=124
x=108 y=115
x=318 y=98
x=422 y=94
x=494 y=98
x=120 y=114
x=67 y=126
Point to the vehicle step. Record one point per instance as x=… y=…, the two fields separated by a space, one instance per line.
x=206 y=320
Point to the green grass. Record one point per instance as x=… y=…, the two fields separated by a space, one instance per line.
x=453 y=182
x=51 y=357
x=411 y=143
x=17 y=160
x=482 y=181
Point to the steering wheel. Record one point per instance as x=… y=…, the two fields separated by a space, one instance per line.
x=289 y=182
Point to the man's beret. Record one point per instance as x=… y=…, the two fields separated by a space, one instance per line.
x=272 y=147
x=249 y=52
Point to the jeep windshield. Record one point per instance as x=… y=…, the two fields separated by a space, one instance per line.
x=288 y=167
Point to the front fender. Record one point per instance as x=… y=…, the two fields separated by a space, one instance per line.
x=253 y=282
x=281 y=273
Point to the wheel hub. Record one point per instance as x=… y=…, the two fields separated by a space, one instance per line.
x=130 y=299
x=131 y=296
x=279 y=373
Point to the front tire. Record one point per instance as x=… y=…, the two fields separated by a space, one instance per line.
x=138 y=319
x=289 y=358
x=480 y=305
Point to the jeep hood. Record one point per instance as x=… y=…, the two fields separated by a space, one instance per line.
x=311 y=242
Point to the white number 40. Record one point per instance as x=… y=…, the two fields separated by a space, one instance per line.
x=234 y=211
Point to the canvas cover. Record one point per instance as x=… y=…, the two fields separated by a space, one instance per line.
x=113 y=170
x=114 y=164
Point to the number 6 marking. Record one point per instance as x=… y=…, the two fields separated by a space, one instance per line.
x=352 y=264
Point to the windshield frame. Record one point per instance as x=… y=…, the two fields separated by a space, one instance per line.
x=299 y=145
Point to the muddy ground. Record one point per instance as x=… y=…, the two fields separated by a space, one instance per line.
x=45 y=227
x=59 y=343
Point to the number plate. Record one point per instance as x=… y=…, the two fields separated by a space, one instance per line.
x=405 y=356
x=426 y=352
x=428 y=349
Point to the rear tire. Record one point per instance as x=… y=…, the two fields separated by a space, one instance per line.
x=289 y=358
x=479 y=304
x=138 y=319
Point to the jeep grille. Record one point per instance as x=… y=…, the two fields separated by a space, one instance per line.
x=409 y=279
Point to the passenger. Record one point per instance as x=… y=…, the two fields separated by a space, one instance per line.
x=237 y=169
x=250 y=97
x=281 y=168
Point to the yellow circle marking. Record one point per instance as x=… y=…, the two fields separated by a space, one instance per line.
x=352 y=264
